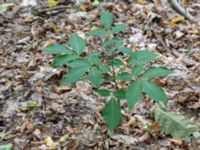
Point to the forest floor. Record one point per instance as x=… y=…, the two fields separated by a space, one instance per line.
x=34 y=107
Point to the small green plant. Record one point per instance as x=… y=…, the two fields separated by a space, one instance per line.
x=103 y=66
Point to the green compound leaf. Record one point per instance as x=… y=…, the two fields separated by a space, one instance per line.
x=156 y=72
x=57 y=49
x=126 y=51
x=93 y=58
x=118 y=28
x=63 y=60
x=95 y=76
x=106 y=43
x=105 y=68
x=142 y=57
x=106 y=18
x=77 y=43
x=111 y=114
x=6 y=147
x=134 y=93
x=120 y=94
x=103 y=92
x=116 y=42
x=78 y=63
x=175 y=124
x=116 y=62
x=137 y=69
x=124 y=76
x=154 y=91
x=99 y=32
x=73 y=75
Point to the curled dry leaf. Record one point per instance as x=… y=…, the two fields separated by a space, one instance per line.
x=196 y=105
x=50 y=143
x=30 y=127
x=44 y=73
x=62 y=89
x=179 y=143
x=129 y=140
x=136 y=121
x=37 y=133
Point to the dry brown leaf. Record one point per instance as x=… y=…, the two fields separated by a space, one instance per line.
x=179 y=143
x=129 y=140
x=176 y=20
x=155 y=126
x=196 y=105
x=135 y=121
x=141 y=1
x=62 y=89
x=30 y=127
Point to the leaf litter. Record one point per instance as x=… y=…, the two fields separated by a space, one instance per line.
x=38 y=114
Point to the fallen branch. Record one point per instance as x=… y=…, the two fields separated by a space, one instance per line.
x=181 y=10
x=51 y=11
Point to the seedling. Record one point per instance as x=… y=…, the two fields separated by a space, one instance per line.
x=103 y=66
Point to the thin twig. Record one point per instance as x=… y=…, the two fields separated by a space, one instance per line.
x=181 y=10
x=51 y=11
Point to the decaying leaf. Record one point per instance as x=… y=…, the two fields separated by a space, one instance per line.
x=175 y=124
x=141 y=1
x=125 y=139
x=26 y=105
x=52 y=3
x=6 y=6
x=50 y=143
x=29 y=3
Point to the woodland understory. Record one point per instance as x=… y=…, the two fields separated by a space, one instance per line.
x=37 y=114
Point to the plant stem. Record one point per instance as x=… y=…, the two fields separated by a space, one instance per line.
x=113 y=72
x=112 y=65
